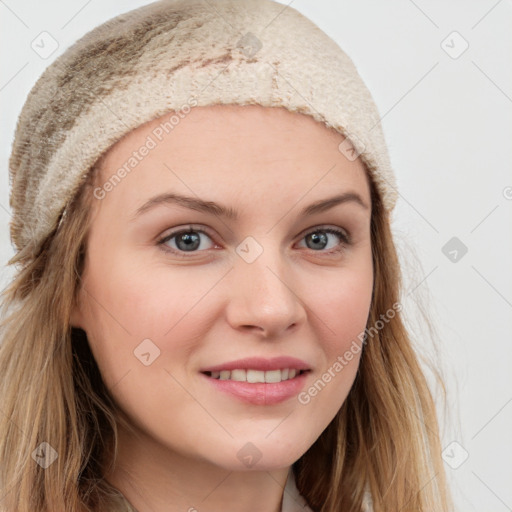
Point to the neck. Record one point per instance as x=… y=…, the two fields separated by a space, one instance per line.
x=154 y=478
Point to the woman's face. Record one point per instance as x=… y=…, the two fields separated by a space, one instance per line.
x=262 y=279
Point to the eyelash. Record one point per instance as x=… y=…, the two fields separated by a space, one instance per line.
x=345 y=240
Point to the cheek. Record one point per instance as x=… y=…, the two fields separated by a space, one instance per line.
x=352 y=307
x=130 y=302
x=341 y=310
x=344 y=306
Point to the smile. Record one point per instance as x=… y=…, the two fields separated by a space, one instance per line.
x=282 y=385
x=254 y=376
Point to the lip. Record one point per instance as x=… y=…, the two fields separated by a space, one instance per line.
x=260 y=363
x=260 y=393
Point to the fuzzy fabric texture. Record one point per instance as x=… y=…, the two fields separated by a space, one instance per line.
x=168 y=56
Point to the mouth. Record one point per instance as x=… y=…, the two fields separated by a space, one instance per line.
x=258 y=387
x=256 y=376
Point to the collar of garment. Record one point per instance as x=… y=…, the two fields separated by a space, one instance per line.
x=292 y=500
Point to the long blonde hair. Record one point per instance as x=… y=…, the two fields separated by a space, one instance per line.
x=385 y=437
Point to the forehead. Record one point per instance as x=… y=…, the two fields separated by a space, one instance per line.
x=231 y=149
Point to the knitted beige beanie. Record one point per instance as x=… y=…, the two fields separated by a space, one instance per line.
x=170 y=56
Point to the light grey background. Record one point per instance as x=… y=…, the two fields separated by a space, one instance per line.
x=447 y=120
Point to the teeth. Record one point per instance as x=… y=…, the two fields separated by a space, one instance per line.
x=253 y=376
x=238 y=375
x=272 y=376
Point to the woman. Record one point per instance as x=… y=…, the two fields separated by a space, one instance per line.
x=207 y=310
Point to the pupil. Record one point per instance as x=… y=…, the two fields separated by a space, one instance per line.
x=316 y=238
x=191 y=241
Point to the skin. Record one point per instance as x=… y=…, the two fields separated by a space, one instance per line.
x=211 y=306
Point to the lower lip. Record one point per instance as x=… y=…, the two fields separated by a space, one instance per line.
x=261 y=393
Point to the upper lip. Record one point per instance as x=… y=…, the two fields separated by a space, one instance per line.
x=260 y=363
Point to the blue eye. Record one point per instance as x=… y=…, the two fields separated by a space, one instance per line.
x=189 y=240
x=186 y=240
x=319 y=236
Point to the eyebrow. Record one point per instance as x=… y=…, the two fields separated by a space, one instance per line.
x=211 y=207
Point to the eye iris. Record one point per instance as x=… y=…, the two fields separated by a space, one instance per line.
x=191 y=241
x=316 y=238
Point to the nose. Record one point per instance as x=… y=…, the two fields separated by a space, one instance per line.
x=264 y=297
